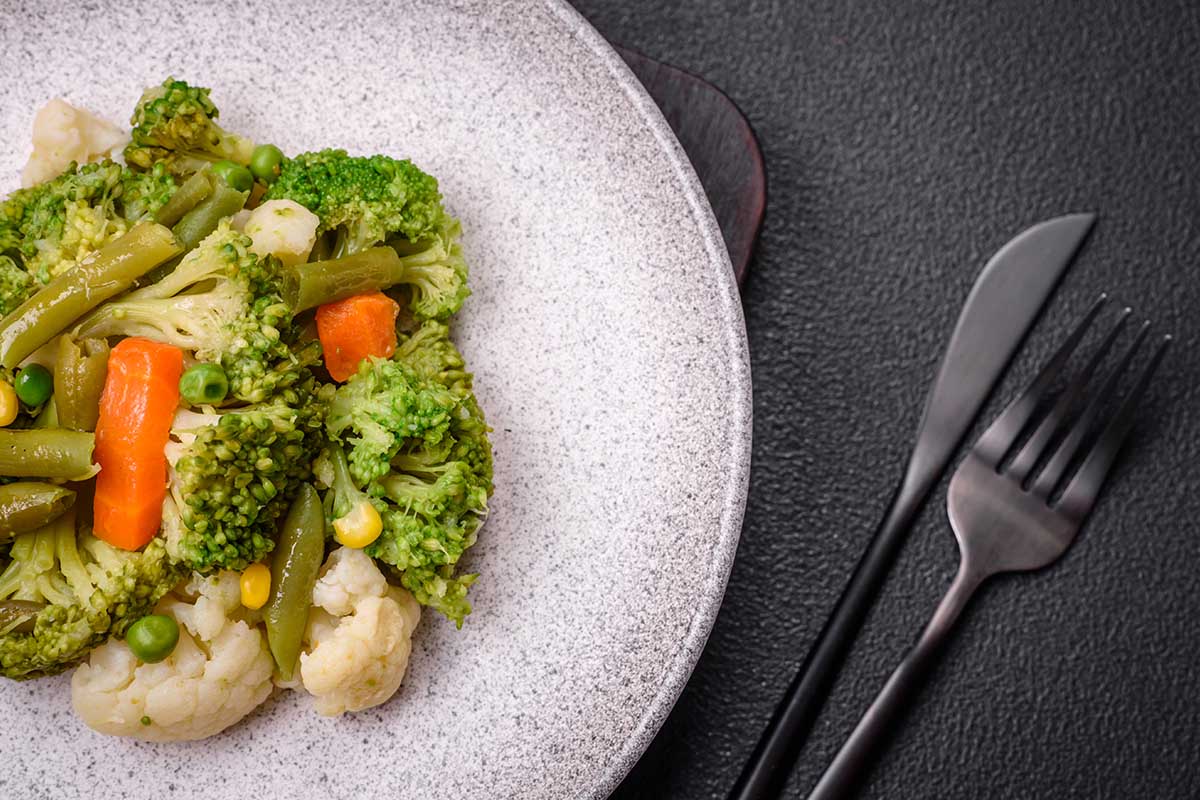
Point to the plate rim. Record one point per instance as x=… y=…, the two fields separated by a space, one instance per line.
x=733 y=505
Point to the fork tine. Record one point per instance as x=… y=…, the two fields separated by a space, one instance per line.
x=1022 y=465
x=1054 y=471
x=1000 y=435
x=1080 y=495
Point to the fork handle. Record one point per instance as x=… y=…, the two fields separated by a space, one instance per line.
x=857 y=754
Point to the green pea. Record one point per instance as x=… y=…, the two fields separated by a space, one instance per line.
x=204 y=384
x=34 y=385
x=235 y=175
x=153 y=638
x=265 y=162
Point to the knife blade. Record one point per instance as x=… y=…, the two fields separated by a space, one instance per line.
x=1005 y=300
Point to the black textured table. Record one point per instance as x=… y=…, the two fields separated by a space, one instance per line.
x=904 y=143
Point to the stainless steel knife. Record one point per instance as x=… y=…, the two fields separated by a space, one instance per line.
x=1002 y=306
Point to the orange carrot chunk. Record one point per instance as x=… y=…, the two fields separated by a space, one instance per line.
x=141 y=393
x=354 y=328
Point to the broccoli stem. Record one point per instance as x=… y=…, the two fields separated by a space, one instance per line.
x=343 y=495
x=66 y=548
x=110 y=271
x=46 y=453
x=186 y=197
x=204 y=218
x=309 y=285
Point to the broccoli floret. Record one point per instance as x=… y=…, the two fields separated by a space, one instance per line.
x=16 y=285
x=11 y=216
x=50 y=227
x=365 y=200
x=58 y=222
x=434 y=358
x=433 y=515
x=418 y=443
x=90 y=591
x=175 y=125
x=233 y=474
x=435 y=273
x=383 y=406
x=438 y=586
x=430 y=353
x=223 y=303
x=144 y=193
x=432 y=272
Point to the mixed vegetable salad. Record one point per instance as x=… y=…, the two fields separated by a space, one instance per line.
x=238 y=447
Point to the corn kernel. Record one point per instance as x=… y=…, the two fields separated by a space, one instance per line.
x=9 y=406
x=358 y=528
x=256 y=586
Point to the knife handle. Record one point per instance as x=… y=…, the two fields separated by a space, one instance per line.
x=768 y=769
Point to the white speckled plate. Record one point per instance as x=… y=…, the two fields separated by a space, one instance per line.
x=610 y=356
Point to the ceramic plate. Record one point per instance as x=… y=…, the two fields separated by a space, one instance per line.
x=609 y=350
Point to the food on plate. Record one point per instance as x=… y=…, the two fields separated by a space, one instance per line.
x=218 y=671
x=359 y=635
x=239 y=449
x=63 y=133
x=294 y=564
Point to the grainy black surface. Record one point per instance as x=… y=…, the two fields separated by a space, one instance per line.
x=904 y=143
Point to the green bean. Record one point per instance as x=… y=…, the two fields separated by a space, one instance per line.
x=294 y=567
x=85 y=498
x=323 y=248
x=186 y=197
x=48 y=416
x=309 y=285
x=79 y=372
x=158 y=273
x=204 y=218
x=109 y=271
x=46 y=453
x=27 y=506
x=18 y=616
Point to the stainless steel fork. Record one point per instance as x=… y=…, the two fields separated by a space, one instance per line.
x=1015 y=503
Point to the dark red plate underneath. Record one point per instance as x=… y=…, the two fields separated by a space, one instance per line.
x=721 y=146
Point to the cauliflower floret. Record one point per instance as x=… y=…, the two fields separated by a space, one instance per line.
x=216 y=597
x=348 y=576
x=238 y=220
x=284 y=229
x=359 y=635
x=219 y=672
x=62 y=134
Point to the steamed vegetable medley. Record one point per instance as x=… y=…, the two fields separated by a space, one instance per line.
x=238 y=447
